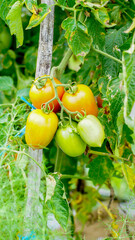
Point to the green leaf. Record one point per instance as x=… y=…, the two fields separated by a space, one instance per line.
x=5 y=7
x=31 y=5
x=100 y=169
x=113 y=40
x=62 y=2
x=6 y=83
x=23 y=92
x=131 y=27
x=110 y=131
x=95 y=27
x=77 y=37
x=102 y=16
x=56 y=200
x=129 y=175
x=115 y=97
x=41 y=12
x=15 y=22
x=129 y=82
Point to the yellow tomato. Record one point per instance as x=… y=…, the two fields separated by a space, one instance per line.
x=40 y=128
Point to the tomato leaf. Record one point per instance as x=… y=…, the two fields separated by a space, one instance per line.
x=113 y=40
x=56 y=199
x=100 y=169
x=77 y=37
x=39 y=14
x=102 y=16
x=5 y=7
x=129 y=82
x=31 y=4
x=94 y=27
x=129 y=175
x=15 y=22
x=6 y=83
x=132 y=26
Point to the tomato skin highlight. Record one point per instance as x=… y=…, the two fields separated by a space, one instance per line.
x=82 y=100
x=46 y=93
x=40 y=128
x=69 y=141
x=91 y=131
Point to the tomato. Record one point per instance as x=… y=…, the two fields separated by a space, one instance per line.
x=82 y=100
x=44 y=94
x=40 y=128
x=91 y=131
x=100 y=104
x=5 y=37
x=69 y=141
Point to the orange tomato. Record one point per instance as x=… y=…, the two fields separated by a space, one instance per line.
x=40 y=128
x=46 y=93
x=82 y=100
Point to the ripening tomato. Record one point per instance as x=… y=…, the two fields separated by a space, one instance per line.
x=69 y=141
x=91 y=131
x=40 y=128
x=42 y=95
x=82 y=100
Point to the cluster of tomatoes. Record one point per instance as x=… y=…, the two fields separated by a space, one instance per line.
x=71 y=136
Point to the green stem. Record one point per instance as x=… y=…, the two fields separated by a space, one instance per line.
x=107 y=155
x=107 y=55
x=64 y=176
x=58 y=71
x=58 y=161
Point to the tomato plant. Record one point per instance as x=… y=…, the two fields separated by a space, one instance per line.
x=69 y=141
x=40 y=128
x=40 y=94
x=82 y=100
x=91 y=131
x=84 y=48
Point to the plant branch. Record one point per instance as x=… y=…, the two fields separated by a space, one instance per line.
x=107 y=55
x=58 y=71
x=64 y=176
x=57 y=161
x=107 y=155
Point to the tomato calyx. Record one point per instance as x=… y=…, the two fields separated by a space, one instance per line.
x=79 y=116
x=46 y=108
x=71 y=87
x=40 y=83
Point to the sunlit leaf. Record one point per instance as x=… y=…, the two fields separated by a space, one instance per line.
x=129 y=175
x=15 y=22
x=6 y=83
x=39 y=15
x=102 y=16
x=77 y=37
x=56 y=199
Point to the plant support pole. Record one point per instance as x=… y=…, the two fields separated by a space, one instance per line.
x=44 y=60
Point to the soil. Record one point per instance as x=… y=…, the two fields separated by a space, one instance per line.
x=101 y=228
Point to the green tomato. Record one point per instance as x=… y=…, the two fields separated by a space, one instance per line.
x=5 y=37
x=91 y=131
x=69 y=141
